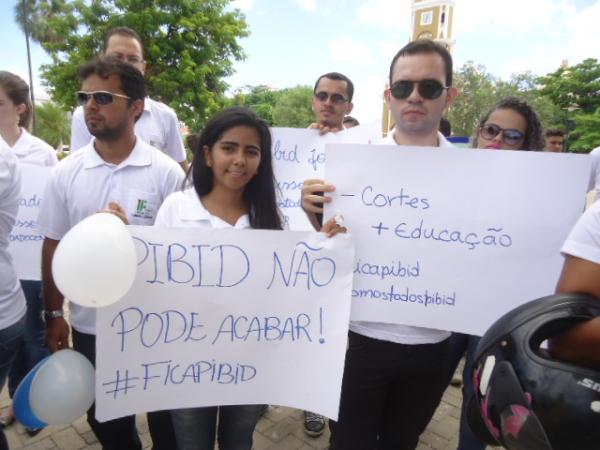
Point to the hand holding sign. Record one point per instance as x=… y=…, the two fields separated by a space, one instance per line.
x=95 y=262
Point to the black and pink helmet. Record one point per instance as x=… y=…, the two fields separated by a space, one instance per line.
x=526 y=400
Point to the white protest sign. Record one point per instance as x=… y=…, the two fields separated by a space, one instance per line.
x=453 y=238
x=298 y=155
x=227 y=317
x=25 y=243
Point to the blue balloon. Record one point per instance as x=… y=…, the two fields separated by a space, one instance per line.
x=22 y=405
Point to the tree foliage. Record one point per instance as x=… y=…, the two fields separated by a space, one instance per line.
x=575 y=88
x=479 y=91
x=53 y=124
x=586 y=135
x=476 y=95
x=41 y=18
x=261 y=99
x=293 y=108
x=189 y=47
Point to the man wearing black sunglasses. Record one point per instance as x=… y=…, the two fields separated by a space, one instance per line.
x=158 y=124
x=332 y=101
x=116 y=172
x=394 y=375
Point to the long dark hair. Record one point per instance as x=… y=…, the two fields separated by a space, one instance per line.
x=259 y=194
x=534 y=139
x=17 y=90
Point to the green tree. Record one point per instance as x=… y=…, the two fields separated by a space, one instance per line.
x=41 y=18
x=261 y=99
x=574 y=89
x=53 y=124
x=189 y=47
x=586 y=135
x=293 y=108
x=476 y=95
x=525 y=85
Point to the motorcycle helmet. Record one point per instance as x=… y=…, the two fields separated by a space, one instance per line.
x=523 y=398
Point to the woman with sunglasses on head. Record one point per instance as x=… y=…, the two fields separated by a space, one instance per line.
x=15 y=118
x=511 y=124
x=230 y=185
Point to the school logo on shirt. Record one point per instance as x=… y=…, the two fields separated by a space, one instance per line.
x=143 y=209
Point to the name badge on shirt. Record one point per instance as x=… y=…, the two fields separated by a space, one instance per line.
x=142 y=207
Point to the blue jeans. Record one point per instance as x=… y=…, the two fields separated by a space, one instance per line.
x=32 y=349
x=459 y=344
x=195 y=428
x=10 y=339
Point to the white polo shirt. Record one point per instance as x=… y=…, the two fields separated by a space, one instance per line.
x=12 y=300
x=184 y=209
x=401 y=334
x=584 y=240
x=158 y=126
x=32 y=150
x=83 y=183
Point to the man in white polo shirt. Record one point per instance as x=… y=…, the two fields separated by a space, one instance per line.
x=158 y=124
x=116 y=171
x=394 y=375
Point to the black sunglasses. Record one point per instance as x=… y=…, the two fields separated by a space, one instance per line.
x=100 y=97
x=510 y=136
x=336 y=99
x=428 y=89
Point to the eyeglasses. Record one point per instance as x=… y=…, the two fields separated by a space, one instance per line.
x=100 y=97
x=510 y=136
x=428 y=89
x=131 y=59
x=336 y=99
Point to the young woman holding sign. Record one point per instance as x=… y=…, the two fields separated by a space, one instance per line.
x=15 y=118
x=230 y=185
x=512 y=124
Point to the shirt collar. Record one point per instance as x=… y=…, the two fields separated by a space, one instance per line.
x=442 y=141
x=21 y=147
x=141 y=155
x=192 y=209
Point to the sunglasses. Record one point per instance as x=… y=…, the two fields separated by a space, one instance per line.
x=510 y=136
x=336 y=99
x=428 y=89
x=100 y=97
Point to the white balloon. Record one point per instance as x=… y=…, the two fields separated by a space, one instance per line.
x=95 y=262
x=63 y=388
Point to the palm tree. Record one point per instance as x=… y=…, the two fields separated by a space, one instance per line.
x=54 y=125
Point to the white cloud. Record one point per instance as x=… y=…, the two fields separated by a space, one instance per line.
x=243 y=5
x=576 y=38
x=347 y=49
x=584 y=35
x=386 y=14
x=509 y=17
x=307 y=5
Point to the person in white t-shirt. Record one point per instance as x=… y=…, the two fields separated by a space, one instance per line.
x=15 y=118
x=230 y=185
x=116 y=172
x=12 y=300
x=158 y=125
x=581 y=274
x=394 y=375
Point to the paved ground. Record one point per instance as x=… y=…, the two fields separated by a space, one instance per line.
x=279 y=429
